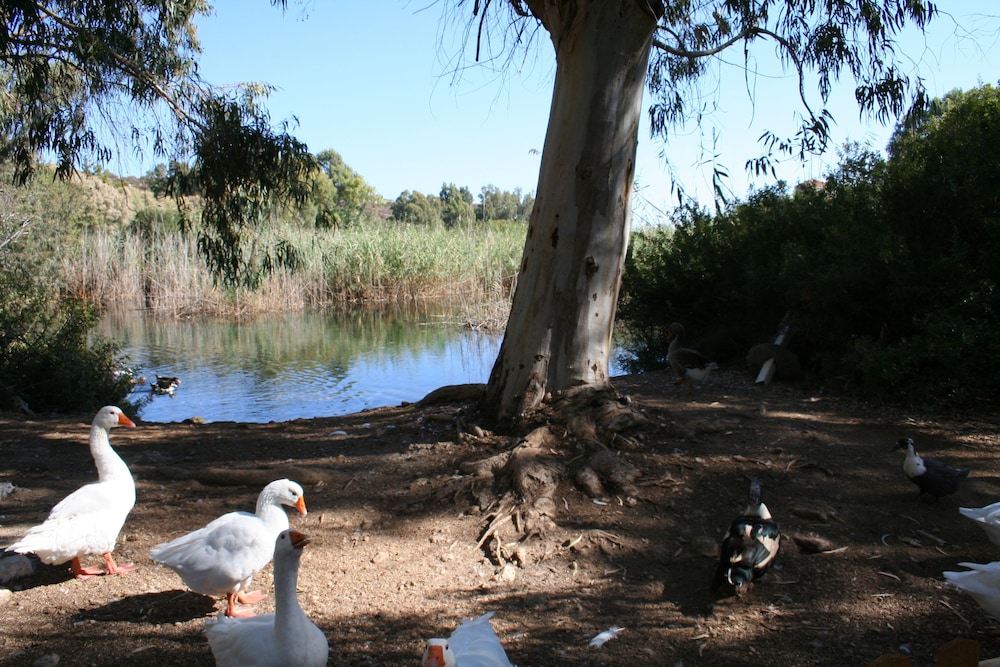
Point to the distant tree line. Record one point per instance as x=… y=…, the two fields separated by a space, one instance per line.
x=340 y=197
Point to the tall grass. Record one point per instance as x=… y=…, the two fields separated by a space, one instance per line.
x=160 y=270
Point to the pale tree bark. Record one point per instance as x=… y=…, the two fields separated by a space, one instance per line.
x=559 y=332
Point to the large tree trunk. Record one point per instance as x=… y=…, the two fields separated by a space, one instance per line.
x=559 y=332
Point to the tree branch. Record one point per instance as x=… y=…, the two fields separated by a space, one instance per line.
x=745 y=35
x=135 y=70
x=685 y=53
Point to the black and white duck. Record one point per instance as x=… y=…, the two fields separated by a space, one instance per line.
x=165 y=385
x=691 y=366
x=749 y=547
x=931 y=476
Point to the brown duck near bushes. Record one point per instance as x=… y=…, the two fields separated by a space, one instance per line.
x=691 y=366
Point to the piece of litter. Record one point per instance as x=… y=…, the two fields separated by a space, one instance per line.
x=606 y=636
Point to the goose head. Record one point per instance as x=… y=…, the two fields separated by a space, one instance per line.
x=110 y=417
x=284 y=492
x=438 y=654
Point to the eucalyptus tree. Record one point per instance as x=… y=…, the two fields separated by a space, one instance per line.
x=608 y=52
x=83 y=80
x=456 y=205
x=351 y=200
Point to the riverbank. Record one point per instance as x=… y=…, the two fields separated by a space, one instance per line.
x=394 y=557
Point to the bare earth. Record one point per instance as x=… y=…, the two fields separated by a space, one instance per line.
x=395 y=560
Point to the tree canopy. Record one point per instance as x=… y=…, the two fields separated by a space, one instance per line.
x=82 y=78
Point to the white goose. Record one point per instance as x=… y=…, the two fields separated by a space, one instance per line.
x=472 y=644
x=982 y=582
x=87 y=521
x=221 y=558
x=286 y=637
x=988 y=519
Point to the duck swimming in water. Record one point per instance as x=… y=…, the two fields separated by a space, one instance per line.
x=165 y=385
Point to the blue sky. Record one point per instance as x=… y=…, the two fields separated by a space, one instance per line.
x=374 y=80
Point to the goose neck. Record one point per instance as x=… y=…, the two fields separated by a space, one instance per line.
x=286 y=603
x=109 y=464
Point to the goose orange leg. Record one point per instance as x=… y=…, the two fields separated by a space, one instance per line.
x=242 y=598
x=81 y=572
x=114 y=568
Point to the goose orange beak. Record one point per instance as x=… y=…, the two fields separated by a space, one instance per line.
x=434 y=657
x=298 y=539
x=125 y=421
x=300 y=505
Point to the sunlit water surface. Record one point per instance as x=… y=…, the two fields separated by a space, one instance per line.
x=298 y=366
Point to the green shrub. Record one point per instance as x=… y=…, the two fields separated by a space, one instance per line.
x=887 y=271
x=48 y=359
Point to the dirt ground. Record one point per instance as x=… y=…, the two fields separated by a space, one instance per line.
x=394 y=559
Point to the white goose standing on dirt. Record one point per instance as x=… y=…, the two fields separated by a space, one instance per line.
x=87 y=521
x=988 y=518
x=982 y=582
x=221 y=558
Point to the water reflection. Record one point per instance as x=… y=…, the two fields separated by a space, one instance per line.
x=299 y=365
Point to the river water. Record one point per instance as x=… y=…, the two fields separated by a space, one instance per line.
x=298 y=365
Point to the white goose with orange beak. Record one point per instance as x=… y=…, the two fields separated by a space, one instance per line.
x=472 y=644
x=286 y=638
x=221 y=558
x=87 y=521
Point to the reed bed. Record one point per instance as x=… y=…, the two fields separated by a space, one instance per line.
x=161 y=271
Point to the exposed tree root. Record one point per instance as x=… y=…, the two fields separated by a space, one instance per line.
x=517 y=489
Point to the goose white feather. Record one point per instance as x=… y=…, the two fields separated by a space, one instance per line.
x=988 y=518
x=221 y=558
x=602 y=638
x=87 y=521
x=982 y=582
x=473 y=644
x=286 y=637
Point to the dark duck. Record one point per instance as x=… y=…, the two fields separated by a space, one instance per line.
x=749 y=547
x=165 y=385
x=691 y=366
x=931 y=476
